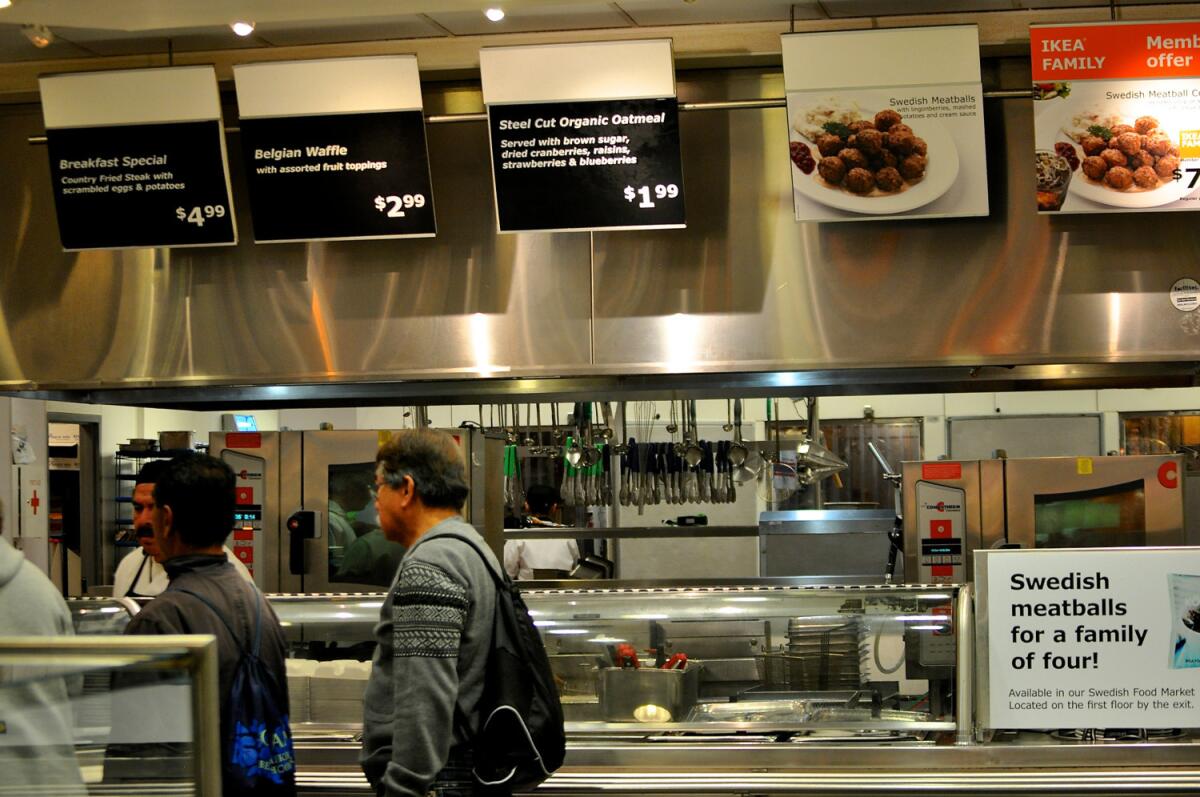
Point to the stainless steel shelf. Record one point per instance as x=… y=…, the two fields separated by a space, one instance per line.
x=630 y=532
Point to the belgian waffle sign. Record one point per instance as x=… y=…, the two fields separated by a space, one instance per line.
x=335 y=149
x=1116 y=117
x=137 y=158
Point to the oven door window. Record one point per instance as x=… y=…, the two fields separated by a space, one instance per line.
x=1110 y=516
x=358 y=551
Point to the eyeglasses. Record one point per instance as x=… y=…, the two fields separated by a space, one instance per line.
x=376 y=487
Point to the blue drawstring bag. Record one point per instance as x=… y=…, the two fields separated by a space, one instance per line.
x=259 y=754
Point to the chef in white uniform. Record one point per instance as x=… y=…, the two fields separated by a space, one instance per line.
x=139 y=574
x=522 y=557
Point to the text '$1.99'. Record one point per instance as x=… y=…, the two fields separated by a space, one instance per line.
x=648 y=194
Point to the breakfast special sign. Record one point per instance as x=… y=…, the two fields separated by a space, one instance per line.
x=895 y=131
x=1117 y=116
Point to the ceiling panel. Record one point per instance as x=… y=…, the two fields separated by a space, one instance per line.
x=156 y=15
x=283 y=34
x=883 y=8
x=533 y=18
x=118 y=42
x=676 y=12
x=1039 y=4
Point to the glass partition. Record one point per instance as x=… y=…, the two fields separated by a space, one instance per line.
x=112 y=715
x=801 y=661
x=757 y=659
x=101 y=616
x=764 y=660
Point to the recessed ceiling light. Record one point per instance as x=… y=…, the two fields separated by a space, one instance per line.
x=242 y=28
x=40 y=35
x=494 y=14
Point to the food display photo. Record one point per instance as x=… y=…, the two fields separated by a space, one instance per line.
x=1116 y=117
x=1104 y=149
x=885 y=137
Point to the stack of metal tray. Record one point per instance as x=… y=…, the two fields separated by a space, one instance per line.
x=822 y=653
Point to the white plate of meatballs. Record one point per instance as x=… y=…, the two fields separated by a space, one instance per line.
x=878 y=164
x=1129 y=165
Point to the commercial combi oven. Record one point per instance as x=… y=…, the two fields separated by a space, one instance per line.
x=952 y=508
x=322 y=480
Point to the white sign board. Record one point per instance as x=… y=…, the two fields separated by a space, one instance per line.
x=885 y=124
x=1090 y=638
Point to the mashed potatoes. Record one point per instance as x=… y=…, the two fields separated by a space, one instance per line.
x=808 y=120
x=1080 y=122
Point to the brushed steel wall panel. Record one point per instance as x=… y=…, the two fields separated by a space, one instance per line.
x=516 y=304
x=745 y=287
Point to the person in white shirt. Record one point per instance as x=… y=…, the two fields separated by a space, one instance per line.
x=140 y=574
x=522 y=557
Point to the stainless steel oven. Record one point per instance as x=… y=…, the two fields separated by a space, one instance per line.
x=330 y=473
x=1094 y=502
x=952 y=508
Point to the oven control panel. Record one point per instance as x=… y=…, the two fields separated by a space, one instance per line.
x=941 y=529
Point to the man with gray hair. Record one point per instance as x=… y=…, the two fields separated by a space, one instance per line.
x=435 y=630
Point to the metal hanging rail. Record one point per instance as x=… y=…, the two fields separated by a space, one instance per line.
x=712 y=105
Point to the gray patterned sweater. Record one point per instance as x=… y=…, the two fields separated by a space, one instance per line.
x=434 y=634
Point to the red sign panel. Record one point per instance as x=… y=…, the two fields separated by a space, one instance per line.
x=939 y=529
x=948 y=613
x=1115 y=51
x=244 y=495
x=243 y=440
x=941 y=471
x=1168 y=475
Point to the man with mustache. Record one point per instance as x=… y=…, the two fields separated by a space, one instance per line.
x=141 y=574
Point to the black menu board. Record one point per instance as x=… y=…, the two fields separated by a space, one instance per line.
x=325 y=163
x=587 y=165
x=137 y=159
x=592 y=145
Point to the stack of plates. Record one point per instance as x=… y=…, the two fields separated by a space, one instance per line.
x=336 y=691
x=299 y=674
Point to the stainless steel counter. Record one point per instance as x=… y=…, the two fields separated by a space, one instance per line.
x=1028 y=764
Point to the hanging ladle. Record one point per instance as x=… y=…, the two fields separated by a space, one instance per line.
x=620 y=447
x=591 y=454
x=692 y=453
x=573 y=452
x=738 y=451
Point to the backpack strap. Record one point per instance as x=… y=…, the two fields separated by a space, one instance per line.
x=502 y=583
x=229 y=627
x=500 y=578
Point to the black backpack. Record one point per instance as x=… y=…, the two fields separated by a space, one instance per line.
x=521 y=740
x=257 y=753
